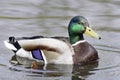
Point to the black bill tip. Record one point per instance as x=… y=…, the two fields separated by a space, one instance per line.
x=99 y=37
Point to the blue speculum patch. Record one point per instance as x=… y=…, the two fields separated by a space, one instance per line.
x=37 y=54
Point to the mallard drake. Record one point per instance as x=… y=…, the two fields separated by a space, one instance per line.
x=58 y=50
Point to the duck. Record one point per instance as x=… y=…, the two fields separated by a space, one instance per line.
x=58 y=50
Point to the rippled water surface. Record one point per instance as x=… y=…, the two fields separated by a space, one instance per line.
x=50 y=18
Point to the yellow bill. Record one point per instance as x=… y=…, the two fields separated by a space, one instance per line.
x=91 y=33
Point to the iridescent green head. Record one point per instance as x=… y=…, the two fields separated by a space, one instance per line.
x=77 y=26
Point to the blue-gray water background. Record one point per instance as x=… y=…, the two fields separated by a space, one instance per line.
x=50 y=18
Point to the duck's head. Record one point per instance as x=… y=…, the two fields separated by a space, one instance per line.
x=77 y=27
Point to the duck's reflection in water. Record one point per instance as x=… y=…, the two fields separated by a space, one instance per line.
x=74 y=72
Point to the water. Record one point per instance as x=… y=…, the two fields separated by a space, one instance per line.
x=50 y=18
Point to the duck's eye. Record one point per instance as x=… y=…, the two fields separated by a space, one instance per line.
x=81 y=23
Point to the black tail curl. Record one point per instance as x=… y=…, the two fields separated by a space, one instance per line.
x=13 y=41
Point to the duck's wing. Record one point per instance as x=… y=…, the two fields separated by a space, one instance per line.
x=49 y=44
x=65 y=39
x=27 y=38
x=54 y=49
x=40 y=42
